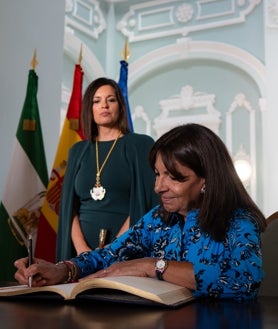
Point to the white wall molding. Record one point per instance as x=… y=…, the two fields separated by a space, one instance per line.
x=272 y=14
x=85 y=16
x=184 y=105
x=241 y=103
x=163 y=18
x=139 y=113
x=186 y=49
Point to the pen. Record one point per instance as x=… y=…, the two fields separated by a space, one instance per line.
x=30 y=256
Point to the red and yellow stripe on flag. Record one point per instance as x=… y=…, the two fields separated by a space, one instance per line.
x=71 y=133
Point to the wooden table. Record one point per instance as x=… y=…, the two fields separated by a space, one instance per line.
x=50 y=314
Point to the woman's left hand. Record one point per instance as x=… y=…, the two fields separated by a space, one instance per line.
x=143 y=267
x=178 y=272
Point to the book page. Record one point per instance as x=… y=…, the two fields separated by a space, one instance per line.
x=152 y=289
x=64 y=290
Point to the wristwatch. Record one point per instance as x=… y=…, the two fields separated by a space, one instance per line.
x=160 y=267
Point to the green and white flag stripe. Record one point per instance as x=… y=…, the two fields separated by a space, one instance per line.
x=25 y=187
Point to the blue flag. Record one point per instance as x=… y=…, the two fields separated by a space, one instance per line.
x=123 y=86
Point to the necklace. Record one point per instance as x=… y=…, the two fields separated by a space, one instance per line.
x=98 y=191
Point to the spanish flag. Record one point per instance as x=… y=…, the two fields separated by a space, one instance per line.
x=71 y=133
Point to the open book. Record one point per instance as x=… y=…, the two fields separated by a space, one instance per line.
x=128 y=289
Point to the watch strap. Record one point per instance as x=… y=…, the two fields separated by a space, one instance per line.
x=159 y=274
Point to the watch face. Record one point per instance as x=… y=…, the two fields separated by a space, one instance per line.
x=160 y=267
x=160 y=264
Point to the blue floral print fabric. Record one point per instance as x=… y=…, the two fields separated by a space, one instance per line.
x=228 y=269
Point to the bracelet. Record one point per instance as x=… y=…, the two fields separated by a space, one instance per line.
x=72 y=270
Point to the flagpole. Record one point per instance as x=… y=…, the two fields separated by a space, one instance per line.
x=80 y=55
x=34 y=61
x=123 y=80
x=126 y=51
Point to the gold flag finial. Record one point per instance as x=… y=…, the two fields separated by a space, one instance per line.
x=80 y=55
x=126 y=52
x=34 y=61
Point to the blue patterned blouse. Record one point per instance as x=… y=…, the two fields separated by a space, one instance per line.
x=229 y=269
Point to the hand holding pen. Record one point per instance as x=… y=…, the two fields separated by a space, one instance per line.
x=30 y=256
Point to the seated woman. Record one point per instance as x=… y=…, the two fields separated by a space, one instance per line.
x=205 y=234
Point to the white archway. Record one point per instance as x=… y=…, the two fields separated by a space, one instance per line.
x=186 y=49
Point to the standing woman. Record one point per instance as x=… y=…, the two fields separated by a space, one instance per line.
x=108 y=184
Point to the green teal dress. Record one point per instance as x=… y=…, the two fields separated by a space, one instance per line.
x=127 y=179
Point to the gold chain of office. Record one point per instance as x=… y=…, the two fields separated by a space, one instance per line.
x=98 y=191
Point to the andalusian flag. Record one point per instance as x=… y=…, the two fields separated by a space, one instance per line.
x=26 y=183
x=123 y=82
x=71 y=133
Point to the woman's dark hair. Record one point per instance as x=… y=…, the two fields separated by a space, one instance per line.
x=88 y=124
x=201 y=150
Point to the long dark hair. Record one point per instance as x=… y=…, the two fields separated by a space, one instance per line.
x=89 y=126
x=201 y=150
